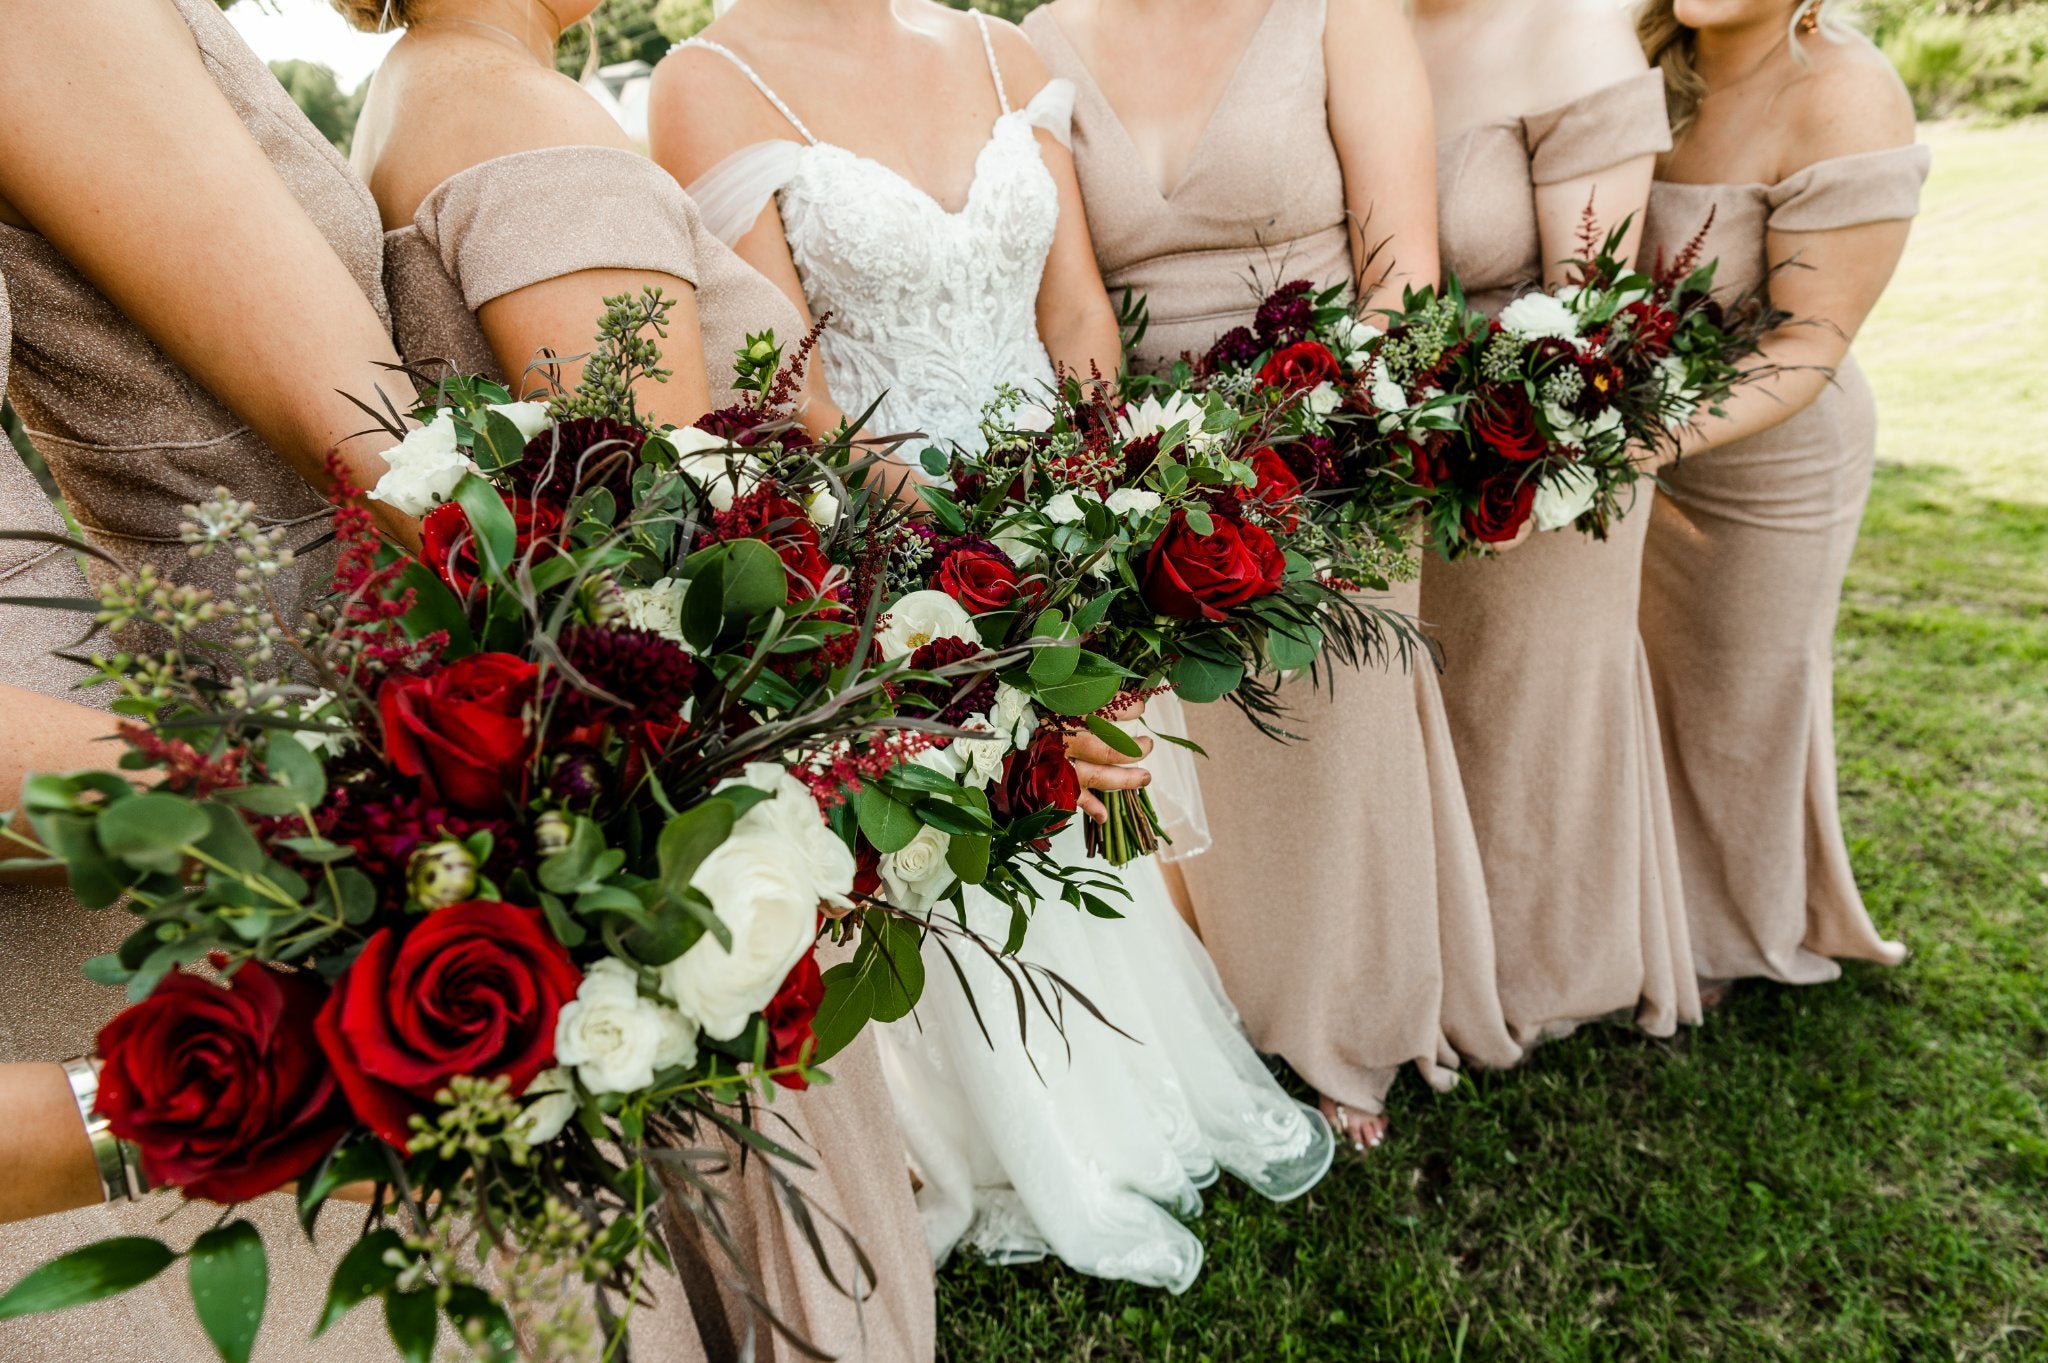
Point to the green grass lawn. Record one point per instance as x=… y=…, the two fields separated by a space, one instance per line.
x=1852 y=1172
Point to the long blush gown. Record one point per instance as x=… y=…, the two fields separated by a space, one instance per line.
x=518 y=220
x=1343 y=900
x=131 y=438
x=1026 y=1144
x=1544 y=678
x=1742 y=578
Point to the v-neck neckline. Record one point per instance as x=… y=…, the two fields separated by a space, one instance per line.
x=1201 y=143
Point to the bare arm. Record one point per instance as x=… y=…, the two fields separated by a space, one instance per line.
x=202 y=247
x=43 y=1145
x=1385 y=134
x=1599 y=47
x=44 y=733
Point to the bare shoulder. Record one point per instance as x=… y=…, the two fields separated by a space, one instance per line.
x=1580 y=46
x=458 y=108
x=1362 y=21
x=1024 y=73
x=1848 y=101
x=701 y=108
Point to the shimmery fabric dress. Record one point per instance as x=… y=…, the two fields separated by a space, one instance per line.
x=518 y=220
x=1742 y=578
x=1343 y=900
x=130 y=438
x=1544 y=680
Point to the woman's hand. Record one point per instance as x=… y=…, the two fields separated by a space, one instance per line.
x=1102 y=767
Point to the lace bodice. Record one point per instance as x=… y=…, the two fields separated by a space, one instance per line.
x=930 y=309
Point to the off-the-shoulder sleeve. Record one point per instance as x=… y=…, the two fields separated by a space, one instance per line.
x=537 y=215
x=1848 y=191
x=1053 y=110
x=732 y=193
x=1615 y=123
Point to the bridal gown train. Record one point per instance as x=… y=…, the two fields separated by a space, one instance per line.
x=1091 y=1145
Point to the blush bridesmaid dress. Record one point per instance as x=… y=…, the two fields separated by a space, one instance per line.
x=1742 y=579
x=1343 y=901
x=1544 y=677
x=537 y=215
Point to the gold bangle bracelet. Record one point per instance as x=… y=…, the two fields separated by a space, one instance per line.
x=84 y=1074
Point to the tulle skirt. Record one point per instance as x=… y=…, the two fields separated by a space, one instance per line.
x=1073 y=1140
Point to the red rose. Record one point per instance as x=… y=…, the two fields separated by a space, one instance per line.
x=223 y=1087
x=448 y=546
x=1504 y=420
x=1038 y=777
x=1300 y=366
x=1652 y=327
x=1505 y=501
x=1198 y=577
x=1277 y=490
x=765 y=514
x=789 y=1015
x=472 y=989
x=1428 y=457
x=982 y=580
x=463 y=730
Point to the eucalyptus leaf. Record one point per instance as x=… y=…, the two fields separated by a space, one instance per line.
x=151 y=831
x=888 y=823
x=103 y=1269
x=230 y=1281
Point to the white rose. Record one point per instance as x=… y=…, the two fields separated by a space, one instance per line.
x=768 y=902
x=979 y=760
x=530 y=417
x=1355 y=337
x=1387 y=395
x=1064 y=508
x=921 y=617
x=1132 y=501
x=792 y=815
x=1324 y=399
x=1013 y=715
x=550 y=1103
x=658 y=608
x=423 y=468
x=1032 y=417
x=1015 y=547
x=1153 y=417
x=917 y=873
x=1563 y=496
x=617 y=1039
x=822 y=507
x=1536 y=315
x=948 y=761
x=713 y=464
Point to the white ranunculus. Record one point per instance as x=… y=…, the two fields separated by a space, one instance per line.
x=1015 y=547
x=617 y=1039
x=530 y=417
x=1536 y=315
x=1324 y=399
x=423 y=468
x=768 y=901
x=1387 y=395
x=1354 y=338
x=792 y=815
x=1150 y=416
x=1031 y=416
x=980 y=760
x=1132 y=501
x=921 y=617
x=658 y=608
x=711 y=462
x=1563 y=496
x=1064 y=508
x=822 y=507
x=550 y=1101
x=1013 y=715
x=917 y=873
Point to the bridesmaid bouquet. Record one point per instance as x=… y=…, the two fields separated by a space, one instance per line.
x=1141 y=546
x=507 y=868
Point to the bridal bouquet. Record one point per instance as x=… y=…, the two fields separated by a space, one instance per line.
x=506 y=869
x=1153 y=545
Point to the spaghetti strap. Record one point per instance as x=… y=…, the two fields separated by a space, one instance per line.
x=752 y=76
x=988 y=48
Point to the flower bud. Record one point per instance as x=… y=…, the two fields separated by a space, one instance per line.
x=443 y=873
x=551 y=833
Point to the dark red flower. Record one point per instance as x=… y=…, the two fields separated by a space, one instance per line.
x=1651 y=327
x=1278 y=491
x=473 y=989
x=1428 y=457
x=1602 y=382
x=1287 y=313
x=1505 y=501
x=1300 y=367
x=222 y=1087
x=1234 y=349
x=649 y=675
x=1504 y=420
x=448 y=546
x=948 y=703
x=764 y=514
x=1038 y=777
x=1199 y=577
x=982 y=580
x=384 y=826
x=1314 y=460
x=578 y=455
x=463 y=731
x=789 y=1016
x=747 y=427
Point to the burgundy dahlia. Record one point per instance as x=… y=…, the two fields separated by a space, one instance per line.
x=1234 y=349
x=949 y=704
x=384 y=826
x=650 y=674
x=578 y=455
x=1287 y=314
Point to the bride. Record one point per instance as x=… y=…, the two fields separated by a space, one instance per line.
x=901 y=166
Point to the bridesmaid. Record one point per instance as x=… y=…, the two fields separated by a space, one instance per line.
x=515 y=205
x=1798 y=138
x=1542 y=108
x=1267 y=140
x=195 y=338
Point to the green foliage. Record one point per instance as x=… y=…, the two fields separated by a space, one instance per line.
x=626 y=31
x=103 y=1269
x=314 y=88
x=1985 y=58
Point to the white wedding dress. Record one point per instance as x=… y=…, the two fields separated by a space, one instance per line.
x=1089 y=1145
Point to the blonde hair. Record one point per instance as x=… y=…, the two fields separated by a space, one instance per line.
x=1669 y=46
x=375 y=16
